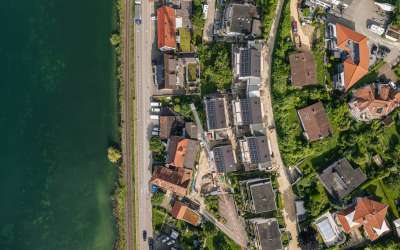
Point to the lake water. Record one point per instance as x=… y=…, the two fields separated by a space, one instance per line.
x=58 y=114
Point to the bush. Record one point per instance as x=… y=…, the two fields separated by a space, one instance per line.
x=216 y=68
x=113 y=155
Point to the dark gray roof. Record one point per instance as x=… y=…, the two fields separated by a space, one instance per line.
x=215 y=112
x=191 y=130
x=224 y=159
x=170 y=79
x=263 y=197
x=259 y=150
x=250 y=111
x=340 y=178
x=240 y=18
x=269 y=235
x=250 y=62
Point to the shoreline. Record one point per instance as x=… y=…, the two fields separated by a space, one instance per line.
x=119 y=190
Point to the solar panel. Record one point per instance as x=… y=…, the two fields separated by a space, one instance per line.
x=219 y=159
x=356 y=53
x=246 y=111
x=244 y=62
x=211 y=113
x=252 y=143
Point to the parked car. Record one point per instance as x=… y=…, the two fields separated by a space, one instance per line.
x=155 y=110
x=151 y=243
x=155 y=104
x=155 y=117
x=144 y=235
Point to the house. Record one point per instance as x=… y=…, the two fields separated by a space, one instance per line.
x=216 y=113
x=328 y=230
x=180 y=73
x=355 y=56
x=181 y=211
x=268 y=234
x=224 y=158
x=166 y=28
x=182 y=152
x=374 y=101
x=170 y=73
x=340 y=178
x=255 y=150
x=328 y=4
x=315 y=122
x=175 y=180
x=368 y=214
x=302 y=69
x=393 y=33
x=247 y=111
x=170 y=124
x=262 y=195
x=246 y=61
x=241 y=20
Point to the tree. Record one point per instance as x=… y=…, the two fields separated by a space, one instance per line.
x=156 y=145
x=113 y=154
x=115 y=39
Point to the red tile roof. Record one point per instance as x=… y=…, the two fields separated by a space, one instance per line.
x=174 y=180
x=166 y=28
x=367 y=213
x=182 y=212
x=353 y=72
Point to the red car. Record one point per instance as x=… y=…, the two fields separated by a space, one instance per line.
x=294 y=26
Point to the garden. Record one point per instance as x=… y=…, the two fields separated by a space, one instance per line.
x=358 y=142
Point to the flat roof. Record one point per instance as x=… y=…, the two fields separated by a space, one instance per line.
x=263 y=197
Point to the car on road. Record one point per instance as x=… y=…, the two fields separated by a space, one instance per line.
x=144 y=235
x=155 y=110
x=155 y=104
x=151 y=243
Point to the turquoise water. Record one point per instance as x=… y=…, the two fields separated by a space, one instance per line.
x=58 y=115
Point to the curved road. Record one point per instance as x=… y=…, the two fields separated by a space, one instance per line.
x=285 y=187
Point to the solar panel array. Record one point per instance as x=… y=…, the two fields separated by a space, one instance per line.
x=245 y=62
x=211 y=114
x=246 y=111
x=252 y=143
x=219 y=159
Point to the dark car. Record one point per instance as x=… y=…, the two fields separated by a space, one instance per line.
x=374 y=49
x=151 y=244
x=144 y=235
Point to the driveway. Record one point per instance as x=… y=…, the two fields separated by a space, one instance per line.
x=366 y=10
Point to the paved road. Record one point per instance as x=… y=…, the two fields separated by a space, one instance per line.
x=295 y=15
x=285 y=187
x=143 y=92
x=208 y=26
x=126 y=128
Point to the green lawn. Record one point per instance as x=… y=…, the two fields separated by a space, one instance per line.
x=384 y=193
x=192 y=71
x=185 y=39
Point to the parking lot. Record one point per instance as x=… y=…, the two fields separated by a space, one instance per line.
x=365 y=13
